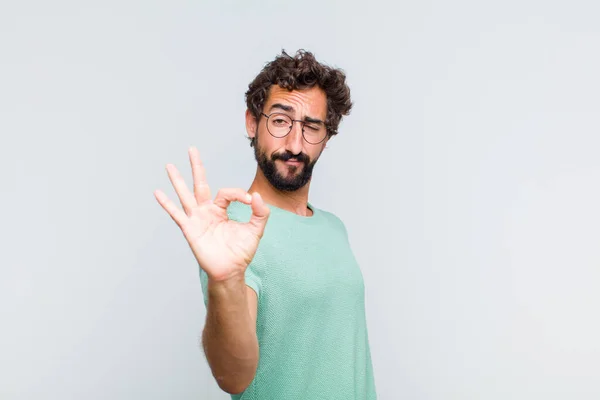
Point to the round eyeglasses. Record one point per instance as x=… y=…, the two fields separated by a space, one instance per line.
x=280 y=125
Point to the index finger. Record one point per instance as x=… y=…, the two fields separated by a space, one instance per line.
x=201 y=188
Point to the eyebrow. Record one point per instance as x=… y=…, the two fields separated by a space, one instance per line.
x=291 y=109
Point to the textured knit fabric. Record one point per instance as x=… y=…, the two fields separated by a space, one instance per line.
x=311 y=323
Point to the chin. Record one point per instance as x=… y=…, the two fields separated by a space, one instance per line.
x=289 y=171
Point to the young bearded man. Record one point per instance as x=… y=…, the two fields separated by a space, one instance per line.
x=283 y=292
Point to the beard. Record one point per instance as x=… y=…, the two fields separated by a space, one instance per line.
x=296 y=177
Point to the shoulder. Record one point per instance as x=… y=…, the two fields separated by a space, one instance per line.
x=333 y=219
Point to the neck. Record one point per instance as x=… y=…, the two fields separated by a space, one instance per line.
x=296 y=202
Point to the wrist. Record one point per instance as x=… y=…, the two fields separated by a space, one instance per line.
x=231 y=283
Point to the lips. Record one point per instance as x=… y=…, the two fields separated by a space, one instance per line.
x=291 y=161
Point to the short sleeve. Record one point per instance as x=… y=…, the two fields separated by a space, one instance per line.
x=251 y=276
x=204 y=284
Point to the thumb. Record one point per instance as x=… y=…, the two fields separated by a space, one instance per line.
x=260 y=214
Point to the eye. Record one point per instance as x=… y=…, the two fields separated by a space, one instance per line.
x=311 y=127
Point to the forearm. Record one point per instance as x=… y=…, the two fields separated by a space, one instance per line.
x=229 y=337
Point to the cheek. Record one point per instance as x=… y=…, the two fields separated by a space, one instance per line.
x=317 y=153
x=266 y=142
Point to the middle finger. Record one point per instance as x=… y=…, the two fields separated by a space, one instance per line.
x=201 y=188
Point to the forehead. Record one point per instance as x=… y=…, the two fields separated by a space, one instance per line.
x=306 y=102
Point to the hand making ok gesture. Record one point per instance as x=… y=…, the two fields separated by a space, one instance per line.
x=223 y=247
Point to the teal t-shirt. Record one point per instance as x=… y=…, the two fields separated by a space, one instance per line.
x=311 y=322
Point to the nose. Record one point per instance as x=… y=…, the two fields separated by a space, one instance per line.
x=294 y=140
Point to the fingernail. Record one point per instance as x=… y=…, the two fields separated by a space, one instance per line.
x=249 y=197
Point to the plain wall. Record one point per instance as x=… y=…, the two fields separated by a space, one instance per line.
x=467 y=175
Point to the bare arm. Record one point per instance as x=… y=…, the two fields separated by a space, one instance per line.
x=223 y=248
x=229 y=336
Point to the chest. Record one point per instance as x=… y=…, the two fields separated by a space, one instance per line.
x=312 y=271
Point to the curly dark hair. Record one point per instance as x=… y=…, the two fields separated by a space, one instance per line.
x=302 y=71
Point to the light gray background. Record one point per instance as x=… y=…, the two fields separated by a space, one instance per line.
x=467 y=175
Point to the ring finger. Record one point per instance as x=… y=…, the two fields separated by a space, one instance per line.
x=185 y=196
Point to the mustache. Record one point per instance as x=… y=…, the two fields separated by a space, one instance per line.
x=303 y=158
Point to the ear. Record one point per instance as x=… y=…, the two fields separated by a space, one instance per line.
x=251 y=124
